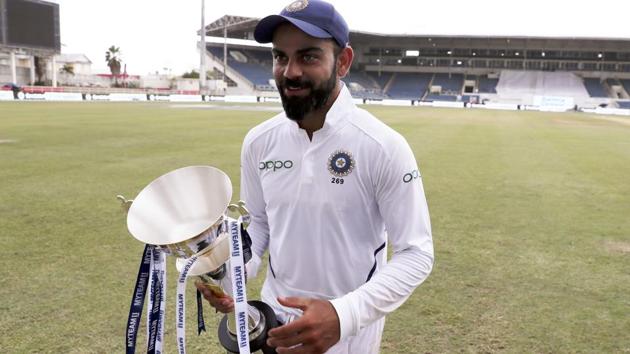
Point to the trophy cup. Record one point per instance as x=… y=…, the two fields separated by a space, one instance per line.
x=184 y=214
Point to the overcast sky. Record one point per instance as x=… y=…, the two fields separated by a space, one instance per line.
x=160 y=35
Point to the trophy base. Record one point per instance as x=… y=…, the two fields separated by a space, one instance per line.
x=228 y=341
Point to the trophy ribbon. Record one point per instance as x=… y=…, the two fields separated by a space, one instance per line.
x=151 y=277
x=181 y=305
x=239 y=293
x=237 y=272
x=157 y=303
x=201 y=324
x=137 y=301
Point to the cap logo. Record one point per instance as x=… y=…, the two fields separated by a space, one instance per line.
x=296 y=6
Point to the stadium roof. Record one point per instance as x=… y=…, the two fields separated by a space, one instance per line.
x=73 y=58
x=234 y=24
x=239 y=27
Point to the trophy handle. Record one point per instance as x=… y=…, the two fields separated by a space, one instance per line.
x=239 y=208
x=125 y=203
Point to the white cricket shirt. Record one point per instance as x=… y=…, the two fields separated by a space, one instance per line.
x=326 y=209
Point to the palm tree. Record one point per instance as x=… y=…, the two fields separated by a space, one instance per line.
x=67 y=68
x=40 y=70
x=112 y=57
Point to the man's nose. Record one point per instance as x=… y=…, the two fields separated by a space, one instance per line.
x=292 y=70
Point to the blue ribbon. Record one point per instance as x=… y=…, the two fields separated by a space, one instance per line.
x=137 y=301
x=154 y=316
x=201 y=325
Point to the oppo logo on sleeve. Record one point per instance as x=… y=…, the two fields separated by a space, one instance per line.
x=410 y=176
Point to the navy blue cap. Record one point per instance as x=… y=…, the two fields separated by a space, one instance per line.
x=316 y=18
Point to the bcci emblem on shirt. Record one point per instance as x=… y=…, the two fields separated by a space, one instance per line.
x=340 y=163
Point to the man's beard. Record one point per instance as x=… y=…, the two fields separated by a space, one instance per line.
x=296 y=108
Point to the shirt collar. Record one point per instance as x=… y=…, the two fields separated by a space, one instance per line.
x=338 y=111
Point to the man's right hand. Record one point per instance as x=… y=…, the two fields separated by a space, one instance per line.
x=223 y=303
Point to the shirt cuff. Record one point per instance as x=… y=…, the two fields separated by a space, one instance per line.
x=347 y=323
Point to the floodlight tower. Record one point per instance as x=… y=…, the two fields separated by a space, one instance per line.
x=202 y=51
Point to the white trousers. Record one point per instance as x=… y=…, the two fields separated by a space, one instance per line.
x=367 y=341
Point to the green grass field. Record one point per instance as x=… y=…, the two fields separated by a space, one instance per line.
x=530 y=214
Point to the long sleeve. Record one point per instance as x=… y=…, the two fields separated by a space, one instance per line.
x=402 y=204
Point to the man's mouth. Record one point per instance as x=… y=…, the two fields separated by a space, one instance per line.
x=298 y=90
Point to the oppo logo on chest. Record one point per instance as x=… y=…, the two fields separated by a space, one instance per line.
x=275 y=165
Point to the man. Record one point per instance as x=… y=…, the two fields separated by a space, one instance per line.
x=15 y=89
x=327 y=186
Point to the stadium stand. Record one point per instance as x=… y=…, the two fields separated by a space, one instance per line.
x=262 y=57
x=612 y=82
x=363 y=86
x=240 y=60
x=451 y=84
x=382 y=78
x=514 y=83
x=595 y=88
x=216 y=51
x=362 y=79
x=254 y=72
x=487 y=85
x=409 y=86
x=510 y=71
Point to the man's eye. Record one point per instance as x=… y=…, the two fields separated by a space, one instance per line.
x=308 y=58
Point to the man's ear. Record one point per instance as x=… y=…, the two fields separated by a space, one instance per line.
x=344 y=61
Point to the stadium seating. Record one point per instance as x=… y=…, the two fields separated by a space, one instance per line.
x=216 y=51
x=261 y=56
x=595 y=88
x=361 y=78
x=451 y=84
x=626 y=85
x=381 y=79
x=254 y=72
x=487 y=85
x=409 y=86
x=257 y=73
x=362 y=85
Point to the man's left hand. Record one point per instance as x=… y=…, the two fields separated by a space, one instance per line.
x=315 y=332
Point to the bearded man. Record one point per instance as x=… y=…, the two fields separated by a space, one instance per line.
x=328 y=187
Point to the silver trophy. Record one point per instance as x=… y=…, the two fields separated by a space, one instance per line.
x=185 y=214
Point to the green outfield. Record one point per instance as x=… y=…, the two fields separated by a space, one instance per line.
x=530 y=214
